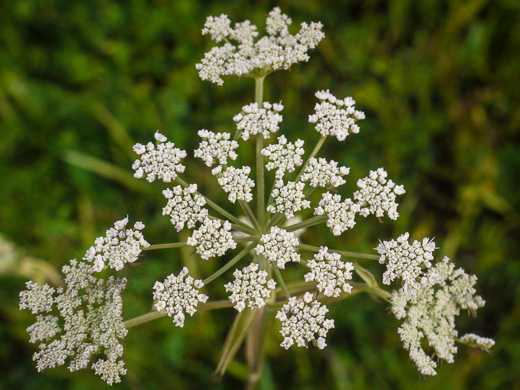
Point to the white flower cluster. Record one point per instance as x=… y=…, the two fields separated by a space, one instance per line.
x=377 y=195
x=406 y=261
x=323 y=173
x=283 y=156
x=241 y=55
x=235 y=182
x=119 y=247
x=474 y=340
x=162 y=161
x=178 y=295
x=212 y=239
x=37 y=299
x=216 y=147
x=255 y=120
x=84 y=322
x=330 y=273
x=336 y=117
x=341 y=215
x=429 y=313
x=288 y=198
x=303 y=321
x=279 y=247
x=250 y=287
x=185 y=206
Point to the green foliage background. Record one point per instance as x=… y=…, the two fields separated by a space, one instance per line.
x=81 y=81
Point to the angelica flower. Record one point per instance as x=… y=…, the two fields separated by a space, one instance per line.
x=241 y=55
x=304 y=321
x=323 y=173
x=119 y=246
x=406 y=261
x=336 y=117
x=85 y=322
x=161 y=161
x=216 y=147
x=212 y=239
x=330 y=273
x=283 y=156
x=279 y=247
x=377 y=195
x=430 y=312
x=38 y=299
x=288 y=198
x=255 y=120
x=185 y=206
x=341 y=215
x=235 y=182
x=178 y=295
x=474 y=340
x=250 y=287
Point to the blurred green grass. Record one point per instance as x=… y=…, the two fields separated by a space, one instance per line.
x=439 y=81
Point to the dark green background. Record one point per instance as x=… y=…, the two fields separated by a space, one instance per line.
x=439 y=82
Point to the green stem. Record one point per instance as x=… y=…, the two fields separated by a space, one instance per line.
x=313 y=154
x=153 y=315
x=281 y=281
x=307 y=223
x=250 y=215
x=218 y=208
x=165 y=246
x=312 y=248
x=246 y=239
x=260 y=180
x=231 y=263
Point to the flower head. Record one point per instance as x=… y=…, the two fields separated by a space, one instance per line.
x=161 y=161
x=330 y=273
x=279 y=247
x=474 y=340
x=336 y=117
x=283 y=156
x=430 y=313
x=119 y=246
x=84 y=322
x=250 y=288
x=235 y=182
x=241 y=54
x=212 y=239
x=406 y=261
x=185 y=206
x=255 y=120
x=288 y=198
x=323 y=173
x=341 y=215
x=178 y=295
x=303 y=321
x=377 y=195
x=216 y=148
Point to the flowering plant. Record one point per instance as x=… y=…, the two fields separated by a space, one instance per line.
x=80 y=323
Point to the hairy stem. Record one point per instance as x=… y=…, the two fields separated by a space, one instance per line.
x=312 y=248
x=153 y=315
x=250 y=215
x=307 y=223
x=259 y=95
x=231 y=263
x=279 y=277
x=166 y=246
